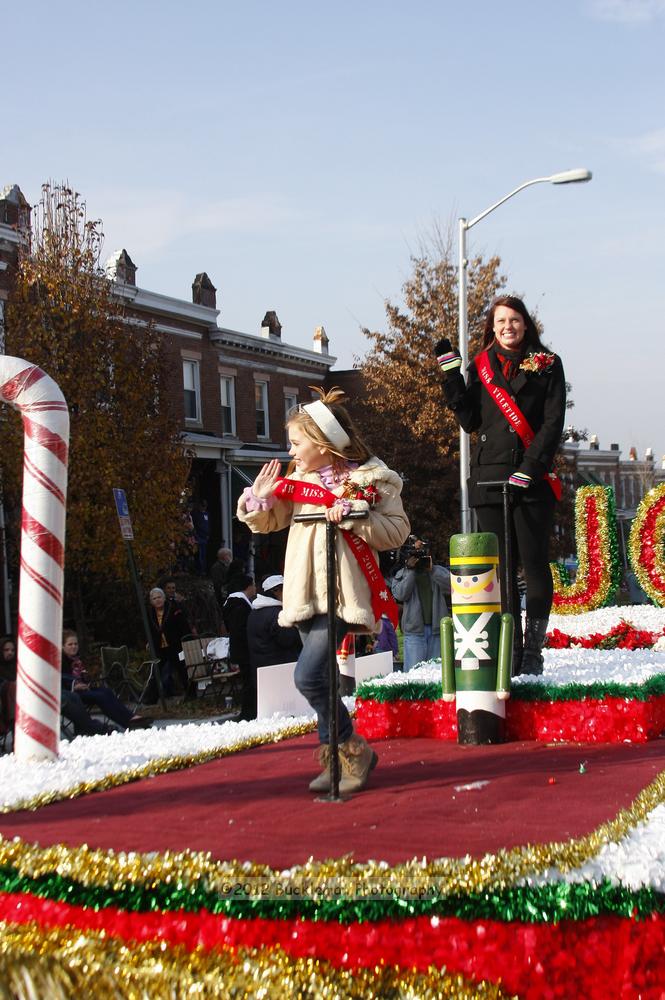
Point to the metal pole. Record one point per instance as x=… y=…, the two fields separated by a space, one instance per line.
x=144 y=616
x=565 y=177
x=333 y=739
x=507 y=561
x=463 y=338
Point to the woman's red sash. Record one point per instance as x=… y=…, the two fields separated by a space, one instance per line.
x=512 y=413
x=383 y=602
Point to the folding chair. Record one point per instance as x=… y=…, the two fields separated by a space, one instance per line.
x=210 y=675
x=129 y=683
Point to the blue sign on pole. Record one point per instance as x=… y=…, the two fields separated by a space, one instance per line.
x=122 y=508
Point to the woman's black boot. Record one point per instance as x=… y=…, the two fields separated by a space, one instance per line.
x=534 y=637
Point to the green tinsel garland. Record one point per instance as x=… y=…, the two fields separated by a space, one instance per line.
x=529 y=904
x=598 y=690
x=616 y=572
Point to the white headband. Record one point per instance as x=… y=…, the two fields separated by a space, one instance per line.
x=326 y=421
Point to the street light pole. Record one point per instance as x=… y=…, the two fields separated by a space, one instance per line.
x=566 y=177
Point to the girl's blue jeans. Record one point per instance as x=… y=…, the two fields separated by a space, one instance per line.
x=312 y=678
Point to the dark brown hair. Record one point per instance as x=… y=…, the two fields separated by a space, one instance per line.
x=531 y=334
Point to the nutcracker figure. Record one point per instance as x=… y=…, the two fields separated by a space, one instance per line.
x=477 y=642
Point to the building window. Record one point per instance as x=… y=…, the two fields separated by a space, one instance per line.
x=228 y=396
x=261 y=397
x=192 y=390
x=290 y=402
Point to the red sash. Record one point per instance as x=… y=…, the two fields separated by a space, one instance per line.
x=382 y=600
x=512 y=413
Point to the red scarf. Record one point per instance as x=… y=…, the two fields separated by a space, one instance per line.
x=382 y=600
x=512 y=413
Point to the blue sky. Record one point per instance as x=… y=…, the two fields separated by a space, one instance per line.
x=299 y=153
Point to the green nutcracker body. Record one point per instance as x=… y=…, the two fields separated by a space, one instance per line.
x=476 y=643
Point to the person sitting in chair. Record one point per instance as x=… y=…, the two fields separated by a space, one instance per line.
x=76 y=678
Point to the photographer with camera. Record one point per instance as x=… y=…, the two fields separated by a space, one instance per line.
x=419 y=586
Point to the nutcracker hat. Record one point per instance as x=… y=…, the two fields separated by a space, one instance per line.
x=475 y=552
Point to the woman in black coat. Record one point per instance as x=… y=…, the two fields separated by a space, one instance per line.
x=168 y=625
x=515 y=401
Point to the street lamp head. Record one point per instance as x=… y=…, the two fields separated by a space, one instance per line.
x=571 y=176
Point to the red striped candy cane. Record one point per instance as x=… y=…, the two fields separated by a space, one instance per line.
x=46 y=425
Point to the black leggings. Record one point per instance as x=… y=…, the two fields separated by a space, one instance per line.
x=531 y=530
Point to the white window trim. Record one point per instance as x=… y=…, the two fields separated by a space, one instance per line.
x=197 y=387
x=231 y=379
x=264 y=382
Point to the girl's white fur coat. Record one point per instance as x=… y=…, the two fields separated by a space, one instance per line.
x=305 y=581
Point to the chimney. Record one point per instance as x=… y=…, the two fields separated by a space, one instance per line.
x=632 y=455
x=204 y=292
x=614 y=447
x=320 y=342
x=648 y=455
x=121 y=268
x=593 y=442
x=271 y=326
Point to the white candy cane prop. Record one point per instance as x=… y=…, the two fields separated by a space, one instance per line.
x=46 y=424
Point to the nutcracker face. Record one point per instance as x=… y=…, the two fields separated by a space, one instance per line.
x=475 y=588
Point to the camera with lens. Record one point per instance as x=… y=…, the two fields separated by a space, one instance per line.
x=418 y=549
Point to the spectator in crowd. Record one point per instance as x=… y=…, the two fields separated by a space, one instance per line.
x=419 y=586
x=7 y=683
x=236 y=610
x=8 y=660
x=170 y=588
x=386 y=640
x=219 y=574
x=187 y=550
x=201 y=521
x=168 y=626
x=268 y=641
x=75 y=677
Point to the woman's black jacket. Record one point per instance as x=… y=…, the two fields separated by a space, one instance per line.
x=498 y=450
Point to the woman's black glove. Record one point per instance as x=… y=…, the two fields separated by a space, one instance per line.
x=448 y=357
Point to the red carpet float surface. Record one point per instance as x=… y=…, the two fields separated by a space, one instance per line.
x=581 y=914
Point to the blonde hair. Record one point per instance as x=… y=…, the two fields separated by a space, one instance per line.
x=355 y=451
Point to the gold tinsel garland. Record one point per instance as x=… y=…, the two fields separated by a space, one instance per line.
x=59 y=965
x=332 y=878
x=574 y=598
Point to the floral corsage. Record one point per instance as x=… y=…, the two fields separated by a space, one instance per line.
x=352 y=491
x=538 y=363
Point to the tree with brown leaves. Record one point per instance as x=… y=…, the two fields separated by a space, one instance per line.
x=62 y=315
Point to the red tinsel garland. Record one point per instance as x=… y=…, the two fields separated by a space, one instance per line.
x=606 y=720
x=600 y=957
x=621 y=636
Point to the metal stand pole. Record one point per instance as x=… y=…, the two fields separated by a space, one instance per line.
x=333 y=680
x=333 y=676
x=507 y=567
x=144 y=617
